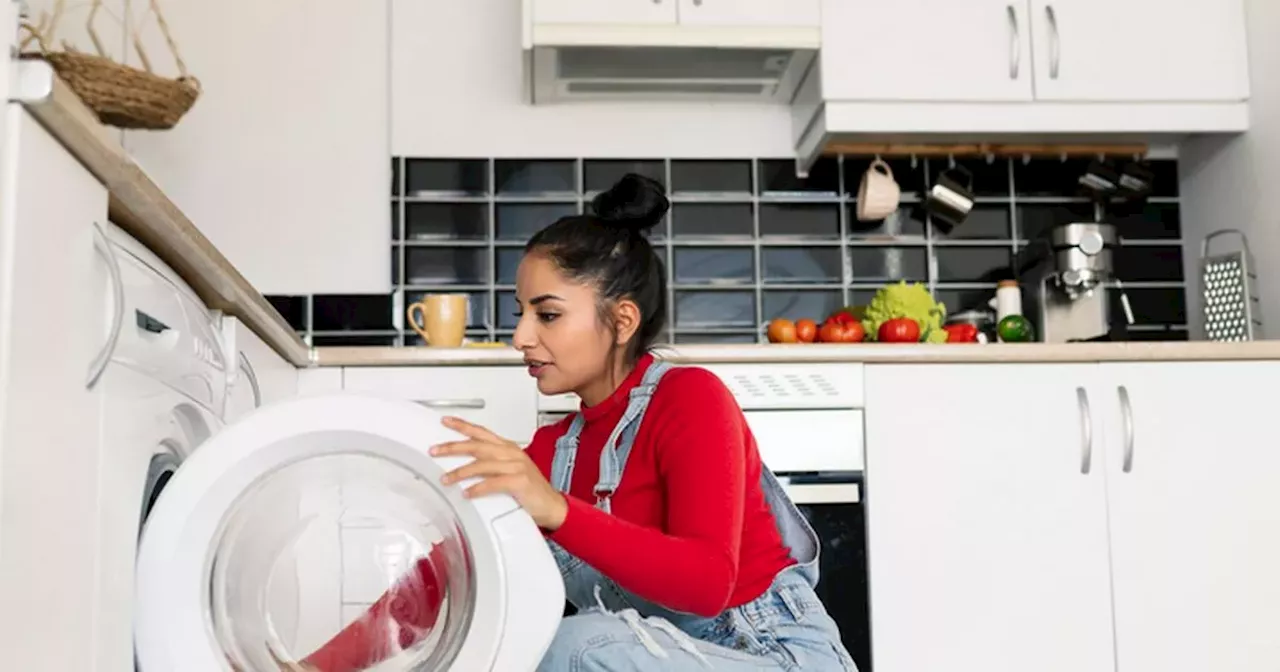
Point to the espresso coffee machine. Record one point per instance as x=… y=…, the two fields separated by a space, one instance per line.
x=1065 y=276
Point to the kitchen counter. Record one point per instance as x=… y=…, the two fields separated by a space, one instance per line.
x=862 y=352
x=139 y=207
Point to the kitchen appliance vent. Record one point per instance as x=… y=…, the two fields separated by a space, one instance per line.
x=666 y=63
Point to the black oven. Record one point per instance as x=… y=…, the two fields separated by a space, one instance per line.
x=834 y=506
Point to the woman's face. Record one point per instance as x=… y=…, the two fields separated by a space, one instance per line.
x=565 y=344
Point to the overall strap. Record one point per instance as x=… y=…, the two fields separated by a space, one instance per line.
x=566 y=455
x=613 y=459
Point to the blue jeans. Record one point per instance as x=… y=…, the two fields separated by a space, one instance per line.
x=786 y=628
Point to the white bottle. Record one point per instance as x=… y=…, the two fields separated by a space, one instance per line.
x=1008 y=299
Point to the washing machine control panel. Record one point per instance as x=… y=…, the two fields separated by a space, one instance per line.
x=168 y=334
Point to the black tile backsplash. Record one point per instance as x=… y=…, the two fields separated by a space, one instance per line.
x=720 y=177
x=292 y=308
x=346 y=312
x=447 y=176
x=552 y=176
x=747 y=240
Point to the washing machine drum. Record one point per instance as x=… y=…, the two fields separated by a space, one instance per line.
x=325 y=515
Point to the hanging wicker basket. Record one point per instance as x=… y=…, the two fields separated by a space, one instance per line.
x=120 y=95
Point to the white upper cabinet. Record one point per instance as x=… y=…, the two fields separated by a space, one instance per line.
x=1140 y=50
x=1055 y=70
x=722 y=13
x=284 y=161
x=751 y=13
x=918 y=50
x=605 y=12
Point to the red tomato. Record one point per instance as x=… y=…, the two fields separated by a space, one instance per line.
x=842 y=317
x=837 y=331
x=961 y=333
x=806 y=330
x=899 y=330
x=782 y=331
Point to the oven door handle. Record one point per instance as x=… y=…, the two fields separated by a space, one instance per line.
x=822 y=493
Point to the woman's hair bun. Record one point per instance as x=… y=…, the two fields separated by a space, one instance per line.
x=635 y=202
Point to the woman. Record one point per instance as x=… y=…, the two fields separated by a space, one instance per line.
x=674 y=541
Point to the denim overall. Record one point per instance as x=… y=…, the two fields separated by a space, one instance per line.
x=786 y=628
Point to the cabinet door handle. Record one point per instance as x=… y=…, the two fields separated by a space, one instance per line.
x=1015 y=50
x=1054 y=41
x=451 y=403
x=1126 y=417
x=1086 y=431
x=99 y=363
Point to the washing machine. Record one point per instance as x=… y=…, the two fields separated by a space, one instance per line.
x=232 y=544
x=161 y=379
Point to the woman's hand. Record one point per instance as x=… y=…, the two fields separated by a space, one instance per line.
x=504 y=467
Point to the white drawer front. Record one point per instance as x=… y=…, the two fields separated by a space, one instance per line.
x=502 y=398
x=809 y=441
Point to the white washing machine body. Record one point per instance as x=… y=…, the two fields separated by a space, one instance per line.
x=162 y=386
x=149 y=429
x=246 y=529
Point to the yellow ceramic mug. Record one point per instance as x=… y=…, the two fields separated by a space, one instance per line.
x=440 y=319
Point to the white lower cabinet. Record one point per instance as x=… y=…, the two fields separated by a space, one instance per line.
x=987 y=544
x=55 y=310
x=1073 y=516
x=1195 y=515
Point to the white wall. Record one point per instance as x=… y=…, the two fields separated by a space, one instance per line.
x=458 y=90
x=1233 y=182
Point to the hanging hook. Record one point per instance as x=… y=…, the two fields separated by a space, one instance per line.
x=1026 y=158
x=991 y=158
x=913 y=161
x=951 y=161
x=1062 y=157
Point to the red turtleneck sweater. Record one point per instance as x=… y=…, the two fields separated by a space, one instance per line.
x=690 y=528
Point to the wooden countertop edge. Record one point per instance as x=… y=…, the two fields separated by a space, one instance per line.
x=818 y=353
x=139 y=207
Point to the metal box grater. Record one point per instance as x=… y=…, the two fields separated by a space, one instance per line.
x=1230 y=306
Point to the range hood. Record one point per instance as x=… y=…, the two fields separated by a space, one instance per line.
x=583 y=62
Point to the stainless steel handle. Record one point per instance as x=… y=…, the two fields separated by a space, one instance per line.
x=822 y=493
x=1126 y=416
x=247 y=368
x=1015 y=43
x=99 y=363
x=1054 y=41
x=1086 y=431
x=451 y=403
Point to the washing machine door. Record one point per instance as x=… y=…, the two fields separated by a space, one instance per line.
x=281 y=530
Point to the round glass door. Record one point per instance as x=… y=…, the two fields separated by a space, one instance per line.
x=346 y=562
x=316 y=530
